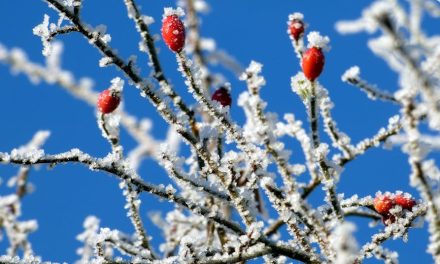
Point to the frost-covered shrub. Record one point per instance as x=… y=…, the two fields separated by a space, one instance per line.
x=221 y=186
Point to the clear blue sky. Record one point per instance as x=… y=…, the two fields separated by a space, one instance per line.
x=247 y=29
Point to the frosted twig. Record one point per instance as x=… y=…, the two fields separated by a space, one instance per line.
x=236 y=258
x=352 y=76
x=61 y=31
x=173 y=171
x=77 y=4
x=426 y=88
x=291 y=214
x=133 y=213
x=159 y=75
x=381 y=136
x=254 y=83
x=340 y=139
x=112 y=139
x=17 y=231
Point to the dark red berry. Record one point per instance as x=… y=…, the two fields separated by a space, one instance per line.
x=108 y=101
x=388 y=219
x=405 y=202
x=222 y=96
x=313 y=63
x=383 y=204
x=173 y=32
x=296 y=29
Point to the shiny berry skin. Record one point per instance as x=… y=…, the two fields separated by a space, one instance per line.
x=173 y=32
x=108 y=101
x=404 y=202
x=222 y=96
x=296 y=29
x=383 y=204
x=313 y=63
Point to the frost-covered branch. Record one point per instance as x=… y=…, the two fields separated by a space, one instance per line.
x=352 y=76
x=115 y=168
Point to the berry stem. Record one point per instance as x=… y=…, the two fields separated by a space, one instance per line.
x=325 y=169
x=314 y=116
x=298 y=46
x=112 y=139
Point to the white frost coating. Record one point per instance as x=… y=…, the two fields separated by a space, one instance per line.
x=88 y=237
x=354 y=26
x=148 y=20
x=351 y=74
x=254 y=70
x=344 y=243
x=431 y=170
x=53 y=61
x=106 y=61
x=432 y=143
x=3 y=52
x=201 y=6
x=117 y=84
x=368 y=22
x=100 y=32
x=301 y=85
x=42 y=30
x=296 y=16
x=208 y=44
x=25 y=260
x=26 y=154
x=173 y=140
x=69 y=3
x=169 y=11
x=316 y=40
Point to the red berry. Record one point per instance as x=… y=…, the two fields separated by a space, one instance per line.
x=222 y=96
x=108 y=101
x=388 y=219
x=312 y=63
x=383 y=204
x=405 y=202
x=173 y=32
x=296 y=29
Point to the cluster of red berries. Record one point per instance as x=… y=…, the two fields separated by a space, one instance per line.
x=383 y=203
x=313 y=59
x=108 y=101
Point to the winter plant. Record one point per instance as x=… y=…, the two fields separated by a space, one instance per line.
x=232 y=173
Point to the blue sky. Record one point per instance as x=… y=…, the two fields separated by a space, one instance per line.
x=247 y=29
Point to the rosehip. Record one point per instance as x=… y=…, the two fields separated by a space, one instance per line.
x=383 y=204
x=313 y=63
x=108 y=101
x=222 y=96
x=296 y=29
x=404 y=202
x=173 y=32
